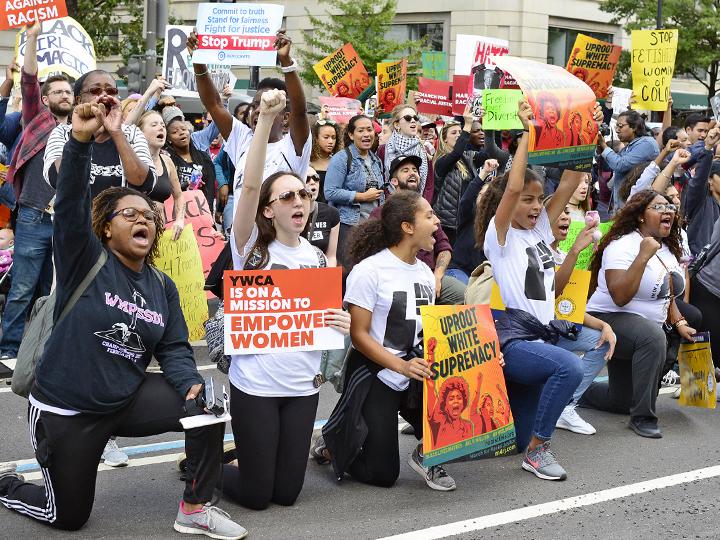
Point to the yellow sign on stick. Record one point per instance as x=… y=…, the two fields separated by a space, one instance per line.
x=653 y=64
x=697 y=373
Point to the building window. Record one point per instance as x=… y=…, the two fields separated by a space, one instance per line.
x=433 y=32
x=561 y=41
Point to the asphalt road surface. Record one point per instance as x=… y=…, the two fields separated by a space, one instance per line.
x=619 y=486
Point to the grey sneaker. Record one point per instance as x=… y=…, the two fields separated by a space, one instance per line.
x=543 y=463
x=8 y=470
x=319 y=451
x=113 y=456
x=210 y=521
x=434 y=476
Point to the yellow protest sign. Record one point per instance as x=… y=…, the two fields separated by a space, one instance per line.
x=653 y=64
x=697 y=373
x=180 y=259
x=390 y=84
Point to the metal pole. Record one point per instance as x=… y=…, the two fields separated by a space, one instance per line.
x=658 y=22
x=150 y=24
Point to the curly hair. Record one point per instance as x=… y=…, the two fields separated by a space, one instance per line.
x=315 y=130
x=542 y=99
x=374 y=235
x=625 y=222
x=105 y=203
x=450 y=384
x=490 y=201
x=631 y=179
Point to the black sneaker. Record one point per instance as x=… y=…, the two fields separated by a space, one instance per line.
x=645 y=428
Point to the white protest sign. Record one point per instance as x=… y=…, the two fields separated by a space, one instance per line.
x=177 y=67
x=63 y=47
x=237 y=34
x=620 y=100
x=715 y=104
x=474 y=50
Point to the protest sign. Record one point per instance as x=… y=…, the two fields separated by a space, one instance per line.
x=460 y=93
x=343 y=73
x=715 y=104
x=465 y=403
x=594 y=62
x=180 y=259
x=198 y=213
x=653 y=64
x=21 y=12
x=390 y=84
x=63 y=46
x=281 y=310
x=563 y=129
x=585 y=256
x=484 y=74
x=177 y=66
x=434 y=97
x=620 y=100
x=237 y=34
x=435 y=65
x=697 y=373
x=501 y=108
x=339 y=110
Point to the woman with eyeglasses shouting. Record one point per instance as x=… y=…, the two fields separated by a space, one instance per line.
x=125 y=313
x=636 y=275
x=404 y=141
x=273 y=396
x=324 y=222
x=326 y=142
x=120 y=154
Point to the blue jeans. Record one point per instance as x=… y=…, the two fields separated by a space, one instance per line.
x=228 y=213
x=32 y=271
x=541 y=379
x=458 y=274
x=593 y=360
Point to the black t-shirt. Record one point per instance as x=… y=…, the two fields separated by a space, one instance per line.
x=163 y=188
x=36 y=193
x=325 y=219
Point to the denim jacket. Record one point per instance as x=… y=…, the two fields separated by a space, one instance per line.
x=342 y=184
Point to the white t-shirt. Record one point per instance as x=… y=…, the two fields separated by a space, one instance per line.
x=524 y=268
x=653 y=296
x=276 y=374
x=393 y=291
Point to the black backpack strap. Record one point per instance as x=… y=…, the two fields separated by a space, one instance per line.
x=349 y=160
x=84 y=284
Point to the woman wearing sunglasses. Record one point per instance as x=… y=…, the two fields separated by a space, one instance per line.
x=326 y=142
x=404 y=141
x=128 y=314
x=120 y=154
x=636 y=274
x=273 y=396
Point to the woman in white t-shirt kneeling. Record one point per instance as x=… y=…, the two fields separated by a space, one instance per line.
x=273 y=396
x=385 y=289
x=637 y=271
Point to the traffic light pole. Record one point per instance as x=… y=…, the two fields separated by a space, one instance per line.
x=150 y=24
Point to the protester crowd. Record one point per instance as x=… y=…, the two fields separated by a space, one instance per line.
x=412 y=208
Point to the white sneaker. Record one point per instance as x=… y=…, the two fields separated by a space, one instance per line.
x=113 y=456
x=671 y=378
x=570 y=420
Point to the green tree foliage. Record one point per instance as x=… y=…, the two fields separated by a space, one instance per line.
x=698 y=22
x=364 y=23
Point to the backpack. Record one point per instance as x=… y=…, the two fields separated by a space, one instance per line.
x=480 y=285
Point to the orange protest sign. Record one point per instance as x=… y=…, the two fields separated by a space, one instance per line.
x=594 y=62
x=343 y=73
x=281 y=310
x=21 y=12
x=391 y=83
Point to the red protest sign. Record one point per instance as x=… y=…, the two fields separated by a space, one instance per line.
x=434 y=97
x=340 y=110
x=21 y=12
x=281 y=310
x=460 y=93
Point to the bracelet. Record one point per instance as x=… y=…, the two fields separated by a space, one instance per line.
x=680 y=322
x=289 y=69
x=201 y=74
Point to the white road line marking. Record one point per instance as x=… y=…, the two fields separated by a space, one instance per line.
x=10 y=363
x=529 y=512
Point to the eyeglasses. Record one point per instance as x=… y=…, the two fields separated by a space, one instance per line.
x=620 y=126
x=323 y=122
x=97 y=90
x=411 y=117
x=663 y=208
x=313 y=177
x=131 y=214
x=288 y=196
x=61 y=93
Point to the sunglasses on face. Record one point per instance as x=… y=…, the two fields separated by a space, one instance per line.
x=131 y=214
x=97 y=91
x=289 y=196
x=314 y=178
x=662 y=208
x=411 y=117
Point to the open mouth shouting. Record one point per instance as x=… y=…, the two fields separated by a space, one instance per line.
x=141 y=236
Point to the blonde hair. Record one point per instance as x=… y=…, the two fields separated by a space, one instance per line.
x=125 y=103
x=444 y=149
x=398 y=109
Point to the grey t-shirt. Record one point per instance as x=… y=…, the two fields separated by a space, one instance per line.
x=370 y=182
x=36 y=192
x=709 y=275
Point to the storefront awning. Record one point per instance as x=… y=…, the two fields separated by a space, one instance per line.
x=684 y=101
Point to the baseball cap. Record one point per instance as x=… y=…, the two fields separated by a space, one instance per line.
x=171 y=113
x=395 y=165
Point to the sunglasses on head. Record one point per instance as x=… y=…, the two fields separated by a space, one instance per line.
x=96 y=91
x=289 y=196
x=324 y=122
x=131 y=214
x=411 y=117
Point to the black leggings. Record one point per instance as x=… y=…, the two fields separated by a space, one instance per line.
x=272 y=440
x=709 y=304
x=68 y=449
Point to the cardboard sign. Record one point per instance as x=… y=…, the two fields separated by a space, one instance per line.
x=460 y=93
x=563 y=129
x=238 y=34
x=594 y=62
x=390 y=84
x=435 y=65
x=343 y=73
x=434 y=97
x=501 y=108
x=180 y=259
x=653 y=65
x=621 y=100
x=63 y=46
x=585 y=256
x=281 y=310
x=697 y=373
x=340 y=110
x=466 y=409
x=177 y=66
x=484 y=74
x=17 y=13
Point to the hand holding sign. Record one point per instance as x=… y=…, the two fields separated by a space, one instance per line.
x=192 y=42
x=33 y=30
x=338 y=319
x=525 y=113
x=282 y=46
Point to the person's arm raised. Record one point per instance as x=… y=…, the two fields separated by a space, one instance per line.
x=299 y=125
x=209 y=95
x=156 y=87
x=272 y=102
x=136 y=171
x=516 y=179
